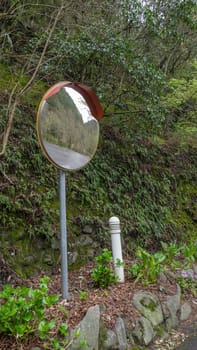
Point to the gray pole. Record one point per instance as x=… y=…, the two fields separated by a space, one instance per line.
x=63 y=231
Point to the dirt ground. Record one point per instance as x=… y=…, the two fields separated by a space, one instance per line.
x=115 y=301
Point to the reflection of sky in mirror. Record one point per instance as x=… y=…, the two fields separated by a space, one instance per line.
x=80 y=103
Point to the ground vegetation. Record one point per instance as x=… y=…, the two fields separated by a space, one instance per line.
x=139 y=57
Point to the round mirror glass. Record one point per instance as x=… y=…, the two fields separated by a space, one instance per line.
x=68 y=132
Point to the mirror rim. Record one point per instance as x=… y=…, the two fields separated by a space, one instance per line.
x=92 y=102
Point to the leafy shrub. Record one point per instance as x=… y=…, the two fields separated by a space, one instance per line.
x=23 y=312
x=188 y=281
x=189 y=252
x=23 y=309
x=148 y=267
x=103 y=273
x=171 y=251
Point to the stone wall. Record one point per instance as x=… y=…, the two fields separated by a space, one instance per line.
x=156 y=319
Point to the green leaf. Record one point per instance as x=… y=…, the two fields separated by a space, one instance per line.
x=29 y=316
x=63 y=329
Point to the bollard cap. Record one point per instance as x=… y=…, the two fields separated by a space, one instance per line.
x=114 y=224
x=114 y=220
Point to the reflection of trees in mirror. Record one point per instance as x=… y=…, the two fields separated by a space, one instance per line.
x=62 y=124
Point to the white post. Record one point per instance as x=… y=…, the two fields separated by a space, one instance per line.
x=114 y=225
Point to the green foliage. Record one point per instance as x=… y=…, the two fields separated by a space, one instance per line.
x=123 y=186
x=180 y=104
x=189 y=252
x=140 y=182
x=148 y=92
x=188 y=281
x=101 y=50
x=28 y=199
x=103 y=274
x=24 y=312
x=188 y=285
x=171 y=251
x=83 y=294
x=163 y=28
x=149 y=266
x=183 y=217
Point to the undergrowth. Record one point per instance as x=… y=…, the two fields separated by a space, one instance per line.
x=149 y=184
x=148 y=266
x=143 y=183
x=25 y=312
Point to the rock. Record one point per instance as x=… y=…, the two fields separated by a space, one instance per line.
x=162 y=277
x=87 y=229
x=171 y=275
x=72 y=257
x=88 y=329
x=191 y=329
x=48 y=260
x=90 y=253
x=86 y=240
x=121 y=334
x=143 y=331
x=195 y=269
x=149 y=305
x=95 y=245
x=188 y=344
x=171 y=308
x=36 y=348
x=162 y=289
x=185 y=311
x=164 y=335
x=111 y=341
x=130 y=339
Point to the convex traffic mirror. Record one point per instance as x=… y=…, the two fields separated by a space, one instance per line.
x=67 y=125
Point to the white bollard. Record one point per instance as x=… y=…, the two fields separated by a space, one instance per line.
x=114 y=225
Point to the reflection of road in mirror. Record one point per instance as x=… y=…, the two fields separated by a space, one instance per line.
x=65 y=157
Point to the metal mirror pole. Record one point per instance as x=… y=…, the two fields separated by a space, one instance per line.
x=63 y=233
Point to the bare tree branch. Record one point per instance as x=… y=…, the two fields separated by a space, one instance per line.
x=15 y=96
